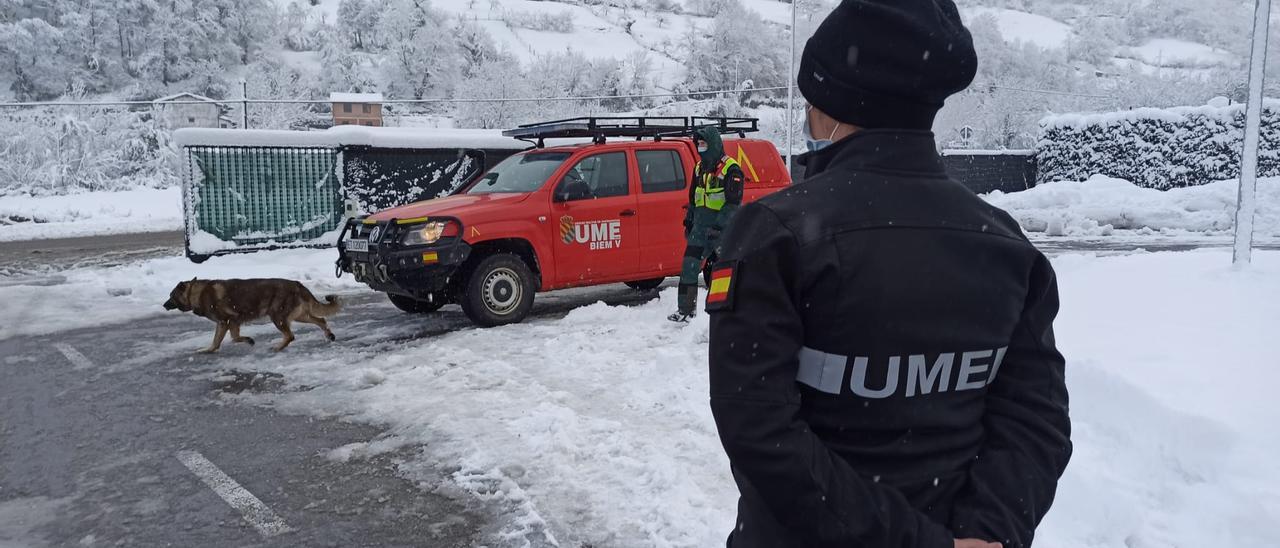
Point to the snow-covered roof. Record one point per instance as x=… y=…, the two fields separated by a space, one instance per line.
x=340 y=97
x=383 y=137
x=184 y=96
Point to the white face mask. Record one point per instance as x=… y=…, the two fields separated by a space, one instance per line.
x=811 y=142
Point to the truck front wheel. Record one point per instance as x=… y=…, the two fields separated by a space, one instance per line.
x=499 y=291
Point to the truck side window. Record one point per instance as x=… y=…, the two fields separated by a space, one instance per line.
x=660 y=170
x=605 y=174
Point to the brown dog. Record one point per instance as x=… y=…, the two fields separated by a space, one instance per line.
x=230 y=303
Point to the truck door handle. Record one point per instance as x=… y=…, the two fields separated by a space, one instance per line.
x=628 y=213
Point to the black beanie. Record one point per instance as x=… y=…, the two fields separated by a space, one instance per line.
x=887 y=63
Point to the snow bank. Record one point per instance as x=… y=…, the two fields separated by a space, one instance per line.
x=90 y=214
x=88 y=297
x=594 y=429
x=1102 y=205
x=1173 y=401
x=383 y=137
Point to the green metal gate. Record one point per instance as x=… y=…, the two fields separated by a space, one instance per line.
x=249 y=198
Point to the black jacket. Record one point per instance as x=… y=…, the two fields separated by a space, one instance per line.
x=883 y=366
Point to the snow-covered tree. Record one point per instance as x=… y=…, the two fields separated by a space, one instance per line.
x=295 y=23
x=357 y=20
x=498 y=78
x=739 y=47
x=711 y=8
x=475 y=45
x=421 y=57
x=26 y=46
x=249 y=25
x=345 y=70
x=271 y=79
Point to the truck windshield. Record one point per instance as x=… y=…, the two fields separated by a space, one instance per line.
x=519 y=173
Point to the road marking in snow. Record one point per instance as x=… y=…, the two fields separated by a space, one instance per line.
x=254 y=511
x=74 y=356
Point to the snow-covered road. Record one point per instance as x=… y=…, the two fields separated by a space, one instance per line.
x=589 y=424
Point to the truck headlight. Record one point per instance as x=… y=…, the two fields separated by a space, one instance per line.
x=425 y=234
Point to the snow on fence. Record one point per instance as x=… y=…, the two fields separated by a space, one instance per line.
x=1156 y=148
x=247 y=190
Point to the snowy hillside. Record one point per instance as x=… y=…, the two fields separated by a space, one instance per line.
x=1038 y=56
x=1088 y=27
x=618 y=29
x=1021 y=26
x=597 y=30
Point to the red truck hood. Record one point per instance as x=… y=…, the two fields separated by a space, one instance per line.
x=454 y=206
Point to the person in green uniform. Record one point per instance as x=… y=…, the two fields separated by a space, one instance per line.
x=714 y=196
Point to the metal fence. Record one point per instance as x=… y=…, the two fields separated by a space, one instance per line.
x=985 y=171
x=248 y=198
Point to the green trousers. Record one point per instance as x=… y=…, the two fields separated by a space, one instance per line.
x=698 y=246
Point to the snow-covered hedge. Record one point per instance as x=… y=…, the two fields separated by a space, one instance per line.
x=1155 y=148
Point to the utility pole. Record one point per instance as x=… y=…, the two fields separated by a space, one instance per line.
x=791 y=88
x=244 y=104
x=1246 y=202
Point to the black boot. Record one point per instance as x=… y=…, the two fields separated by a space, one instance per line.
x=686 y=304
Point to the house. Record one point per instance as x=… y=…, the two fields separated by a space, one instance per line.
x=182 y=110
x=356 y=109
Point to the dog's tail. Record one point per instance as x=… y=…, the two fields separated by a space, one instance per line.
x=328 y=308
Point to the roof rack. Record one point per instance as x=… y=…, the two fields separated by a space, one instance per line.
x=599 y=128
x=741 y=126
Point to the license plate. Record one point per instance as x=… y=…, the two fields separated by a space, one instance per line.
x=361 y=246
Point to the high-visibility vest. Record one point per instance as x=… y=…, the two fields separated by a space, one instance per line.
x=709 y=192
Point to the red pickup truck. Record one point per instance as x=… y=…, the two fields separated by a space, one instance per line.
x=551 y=217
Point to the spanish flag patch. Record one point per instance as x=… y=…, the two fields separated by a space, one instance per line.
x=720 y=294
x=430 y=257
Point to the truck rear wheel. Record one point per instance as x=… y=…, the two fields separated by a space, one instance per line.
x=499 y=291
x=415 y=306
x=646 y=285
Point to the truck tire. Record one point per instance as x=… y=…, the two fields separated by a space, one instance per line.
x=499 y=291
x=415 y=306
x=646 y=285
